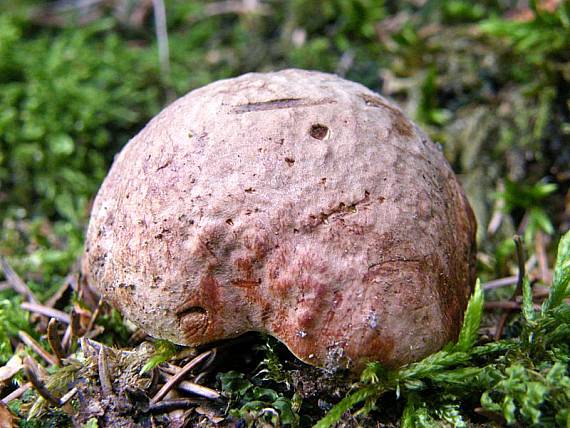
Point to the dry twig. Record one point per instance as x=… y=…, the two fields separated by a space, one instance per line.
x=46 y=311
x=178 y=377
x=193 y=388
x=31 y=342
x=16 y=282
x=14 y=395
x=30 y=368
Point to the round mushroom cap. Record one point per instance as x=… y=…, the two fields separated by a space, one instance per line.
x=294 y=203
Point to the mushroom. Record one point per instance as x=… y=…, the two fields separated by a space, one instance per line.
x=294 y=203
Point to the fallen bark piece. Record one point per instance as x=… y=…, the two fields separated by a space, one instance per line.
x=295 y=203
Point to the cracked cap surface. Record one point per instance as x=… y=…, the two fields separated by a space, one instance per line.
x=295 y=203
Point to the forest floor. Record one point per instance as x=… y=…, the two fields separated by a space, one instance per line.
x=488 y=81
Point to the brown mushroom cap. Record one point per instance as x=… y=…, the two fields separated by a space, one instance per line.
x=295 y=203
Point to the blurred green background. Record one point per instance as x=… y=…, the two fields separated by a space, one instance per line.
x=487 y=80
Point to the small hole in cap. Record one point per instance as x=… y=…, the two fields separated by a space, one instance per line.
x=319 y=132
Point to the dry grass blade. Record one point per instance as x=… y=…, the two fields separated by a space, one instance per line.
x=54 y=340
x=67 y=286
x=211 y=359
x=198 y=379
x=236 y=7
x=66 y=338
x=170 y=369
x=178 y=377
x=16 y=282
x=68 y=396
x=87 y=344
x=507 y=305
x=518 y=291
x=31 y=374
x=75 y=325
x=104 y=376
x=501 y=282
x=97 y=330
x=46 y=311
x=72 y=333
x=31 y=342
x=14 y=395
x=94 y=316
x=194 y=388
x=170 y=405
